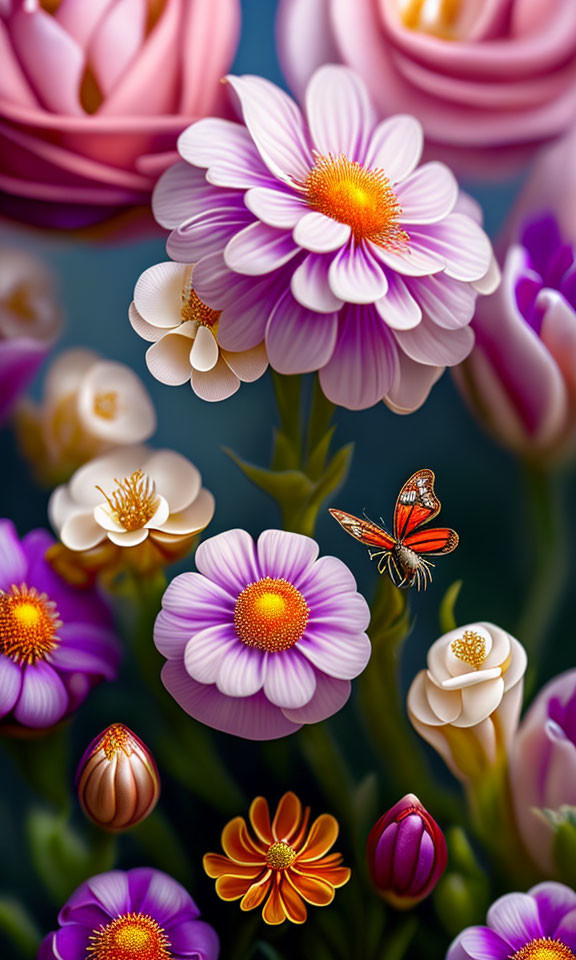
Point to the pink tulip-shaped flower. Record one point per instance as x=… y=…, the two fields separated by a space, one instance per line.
x=479 y=75
x=520 y=379
x=406 y=853
x=93 y=95
x=543 y=766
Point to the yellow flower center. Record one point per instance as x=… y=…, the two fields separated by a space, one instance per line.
x=28 y=624
x=134 y=501
x=470 y=648
x=193 y=308
x=544 y=949
x=106 y=405
x=116 y=738
x=280 y=856
x=132 y=936
x=436 y=17
x=346 y=191
x=271 y=615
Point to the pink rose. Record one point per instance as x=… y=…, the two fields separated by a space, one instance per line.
x=489 y=74
x=93 y=94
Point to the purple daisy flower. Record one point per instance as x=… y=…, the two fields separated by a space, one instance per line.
x=321 y=235
x=265 y=638
x=538 y=925
x=56 y=642
x=123 y=915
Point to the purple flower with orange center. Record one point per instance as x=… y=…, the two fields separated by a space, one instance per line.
x=56 y=642
x=281 y=863
x=139 y=914
x=265 y=637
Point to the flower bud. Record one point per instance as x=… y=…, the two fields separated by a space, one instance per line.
x=118 y=782
x=406 y=853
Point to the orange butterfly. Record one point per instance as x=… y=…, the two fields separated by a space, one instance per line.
x=401 y=553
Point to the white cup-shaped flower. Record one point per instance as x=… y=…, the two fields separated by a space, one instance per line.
x=467 y=702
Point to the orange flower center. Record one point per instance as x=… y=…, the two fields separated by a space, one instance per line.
x=271 y=615
x=134 y=501
x=193 y=308
x=280 y=856
x=470 y=648
x=544 y=949
x=106 y=405
x=28 y=624
x=346 y=191
x=133 y=936
x=439 y=18
x=117 y=737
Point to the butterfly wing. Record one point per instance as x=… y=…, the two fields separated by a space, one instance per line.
x=416 y=504
x=435 y=540
x=370 y=534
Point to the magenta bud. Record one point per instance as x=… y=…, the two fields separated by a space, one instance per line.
x=406 y=853
x=117 y=781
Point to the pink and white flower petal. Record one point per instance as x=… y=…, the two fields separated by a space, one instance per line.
x=227 y=150
x=247 y=365
x=207 y=232
x=259 y=249
x=428 y=194
x=396 y=147
x=340 y=115
x=54 y=63
x=180 y=193
x=216 y=384
x=347 y=613
x=460 y=242
x=241 y=671
x=204 y=353
x=176 y=479
x=168 y=360
x=446 y=302
x=310 y=286
x=13 y=564
x=206 y=650
x=172 y=632
x=81 y=532
x=341 y=655
x=275 y=207
x=411 y=259
x=320 y=234
x=128 y=538
x=491 y=279
x=397 y=307
x=215 y=283
x=229 y=559
x=355 y=276
x=253 y=718
x=43 y=699
x=430 y=344
x=329 y=697
x=515 y=918
x=290 y=680
x=10 y=684
x=158 y=294
x=198 y=600
x=193 y=518
x=286 y=555
x=479 y=942
x=144 y=329
x=362 y=367
x=329 y=577
x=297 y=340
x=276 y=126
x=115 y=41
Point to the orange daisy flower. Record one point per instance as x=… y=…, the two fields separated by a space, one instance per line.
x=281 y=861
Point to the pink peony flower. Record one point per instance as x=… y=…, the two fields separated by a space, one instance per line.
x=520 y=379
x=321 y=235
x=479 y=76
x=93 y=95
x=265 y=638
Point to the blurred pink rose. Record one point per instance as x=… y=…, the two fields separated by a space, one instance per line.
x=477 y=73
x=93 y=94
x=550 y=185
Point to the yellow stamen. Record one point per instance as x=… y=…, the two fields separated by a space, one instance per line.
x=106 y=405
x=280 y=856
x=470 y=648
x=544 y=949
x=134 y=502
x=132 y=936
x=116 y=738
x=271 y=615
x=28 y=624
x=436 y=17
x=194 y=309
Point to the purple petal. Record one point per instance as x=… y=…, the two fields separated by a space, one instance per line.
x=515 y=918
x=424 y=865
x=329 y=697
x=554 y=900
x=70 y=943
x=198 y=600
x=566 y=930
x=340 y=115
x=196 y=939
x=227 y=150
x=259 y=249
x=288 y=555
x=398 y=308
x=328 y=578
x=46 y=950
x=356 y=276
x=481 y=943
x=459 y=241
x=457 y=951
x=207 y=650
x=13 y=565
x=290 y=681
x=347 y=613
x=160 y=896
x=241 y=670
x=407 y=851
x=253 y=718
x=182 y=193
x=362 y=367
x=447 y=302
x=275 y=207
x=384 y=856
x=410 y=259
x=86 y=648
x=436 y=346
x=207 y=233
x=412 y=384
x=428 y=195
x=276 y=126
x=245 y=302
x=396 y=147
x=10 y=684
x=320 y=234
x=43 y=698
x=297 y=340
x=310 y=285
x=340 y=655
x=111 y=891
x=229 y=559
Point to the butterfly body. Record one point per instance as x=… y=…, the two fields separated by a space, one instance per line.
x=402 y=554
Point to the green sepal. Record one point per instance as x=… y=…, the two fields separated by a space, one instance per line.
x=462 y=895
x=563 y=823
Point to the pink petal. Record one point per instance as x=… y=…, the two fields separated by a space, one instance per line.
x=116 y=40
x=329 y=697
x=53 y=61
x=297 y=340
x=356 y=276
x=286 y=555
x=558 y=334
x=329 y=577
x=320 y=234
x=182 y=193
x=10 y=684
x=428 y=343
x=206 y=233
x=80 y=19
x=361 y=369
x=460 y=242
x=259 y=249
x=411 y=259
x=206 y=651
x=447 y=302
x=13 y=563
x=276 y=126
x=216 y=384
x=396 y=147
x=209 y=38
x=290 y=680
x=412 y=384
x=310 y=285
x=515 y=918
x=398 y=308
x=14 y=87
x=427 y=195
x=243 y=326
x=226 y=150
x=339 y=111
x=304 y=40
x=228 y=559
x=274 y=207
x=340 y=655
x=199 y=601
x=43 y=699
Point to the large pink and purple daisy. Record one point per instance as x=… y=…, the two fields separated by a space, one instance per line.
x=265 y=637
x=538 y=925
x=321 y=235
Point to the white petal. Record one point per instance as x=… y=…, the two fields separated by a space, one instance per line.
x=176 y=479
x=216 y=384
x=396 y=147
x=158 y=294
x=204 y=352
x=193 y=518
x=168 y=360
x=340 y=115
x=274 y=207
x=356 y=276
x=397 y=307
x=310 y=285
x=460 y=242
x=81 y=532
x=248 y=365
x=428 y=195
x=145 y=330
x=128 y=538
x=320 y=234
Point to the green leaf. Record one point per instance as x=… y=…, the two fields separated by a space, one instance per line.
x=62 y=858
x=399 y=940
x=288 y=391
x=161 y=842
x=287 y=487
x=447 y=615
x=19 y=928
x=563 y=822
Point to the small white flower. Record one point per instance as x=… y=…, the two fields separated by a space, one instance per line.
x=184 y=334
